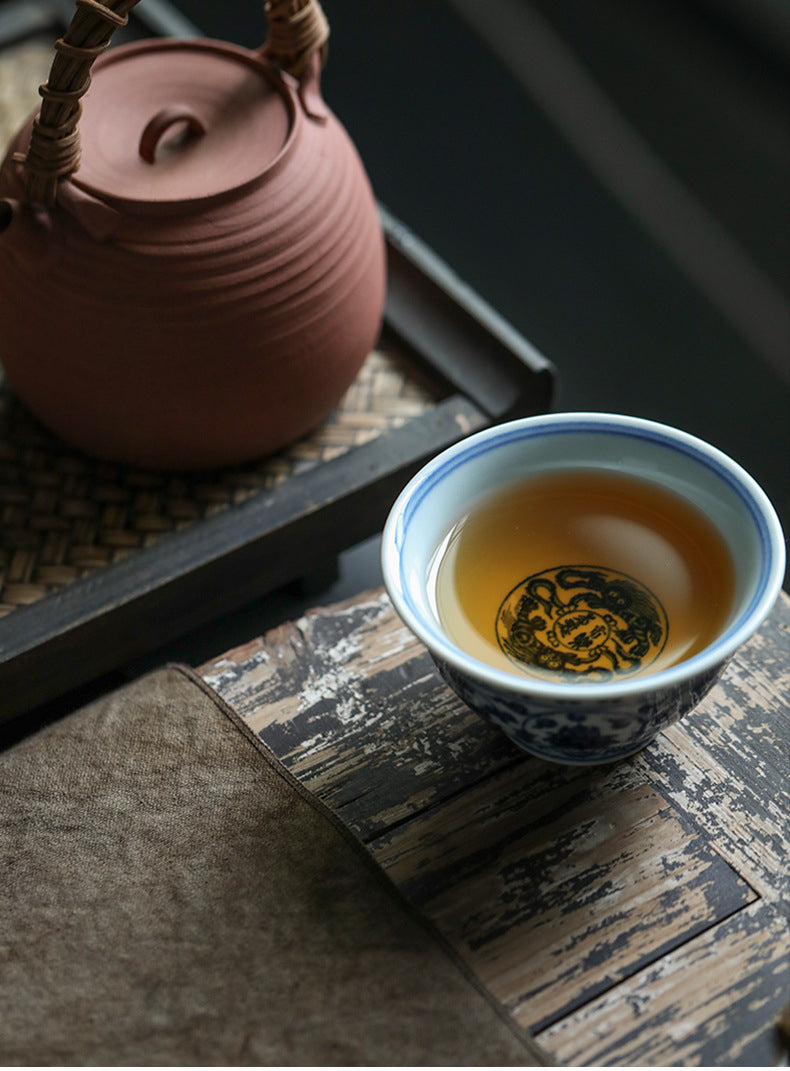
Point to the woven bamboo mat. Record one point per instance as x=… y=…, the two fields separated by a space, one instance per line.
x=64 y=515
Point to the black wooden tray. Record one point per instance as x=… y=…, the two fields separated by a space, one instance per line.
x=485 y=372
x=478 y=370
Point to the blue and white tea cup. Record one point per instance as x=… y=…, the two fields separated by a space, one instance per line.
x=582 y=722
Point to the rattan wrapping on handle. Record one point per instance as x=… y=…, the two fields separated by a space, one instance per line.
x=297 y=29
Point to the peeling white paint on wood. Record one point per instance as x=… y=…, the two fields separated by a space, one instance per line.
x=629 y=914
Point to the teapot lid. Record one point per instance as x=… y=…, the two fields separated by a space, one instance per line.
x=174 y=121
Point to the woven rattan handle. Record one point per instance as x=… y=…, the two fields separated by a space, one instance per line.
x=297 y=29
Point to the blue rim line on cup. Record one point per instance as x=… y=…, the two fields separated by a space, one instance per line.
x=737 y=479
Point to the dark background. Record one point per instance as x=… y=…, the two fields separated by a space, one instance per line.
x=612 y=176
x=462 y=147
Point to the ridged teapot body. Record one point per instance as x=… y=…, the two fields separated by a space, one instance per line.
x=212 y=276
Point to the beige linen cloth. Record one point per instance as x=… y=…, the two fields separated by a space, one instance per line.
x=171 y=895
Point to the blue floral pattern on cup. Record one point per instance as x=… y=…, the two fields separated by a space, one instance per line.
x=579 y=731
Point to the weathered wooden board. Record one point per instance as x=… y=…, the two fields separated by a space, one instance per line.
x=727 y=765
x=704 y=1004
x=356 y=710
x=553 y=899
x=629 y=913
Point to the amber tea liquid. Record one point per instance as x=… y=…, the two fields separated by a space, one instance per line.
x=583 y=576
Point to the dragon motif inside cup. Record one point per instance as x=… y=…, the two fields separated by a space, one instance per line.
x=583 y=621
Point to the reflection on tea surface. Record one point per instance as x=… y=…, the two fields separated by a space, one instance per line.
x=583 y=575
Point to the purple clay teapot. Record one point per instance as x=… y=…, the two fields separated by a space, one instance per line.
x=192 y=268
